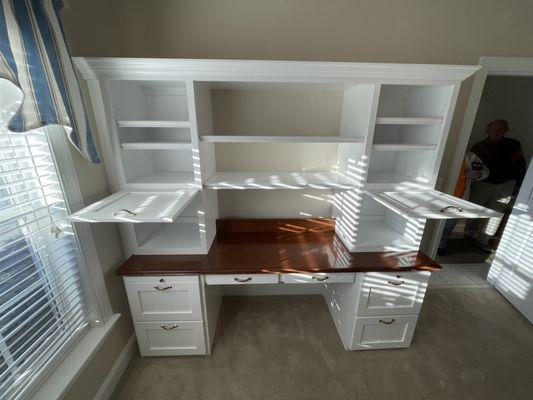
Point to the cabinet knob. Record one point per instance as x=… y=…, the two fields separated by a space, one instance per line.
x=124 y=210
x=169 y=328
x=242 y=280
x=320 y=278
x=444 y=209
x=390 y=321
x=396 y=282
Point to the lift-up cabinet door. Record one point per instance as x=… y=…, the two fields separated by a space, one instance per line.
x=430 y=204
x=137 y=206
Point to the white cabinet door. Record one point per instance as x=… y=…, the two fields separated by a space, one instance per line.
x=131 y=206
x=512 y=269
x=430 y=204
x=170 y=338
x=175 y=298
x=392 y=294
x=319 y=277
x=383 y=332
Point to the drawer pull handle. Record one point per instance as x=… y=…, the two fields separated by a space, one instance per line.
x=396 y=282
x=163 y=287
x=390 y=321
x=241 y=280
x=169 y=328
x=444 y=209
x=319 y=278
x=123 y=210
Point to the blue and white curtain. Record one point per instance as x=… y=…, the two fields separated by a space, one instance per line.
x=34 y=56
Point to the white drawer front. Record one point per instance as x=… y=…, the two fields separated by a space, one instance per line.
x=164 y=300
x=170 y=338
x=241 y=279
x=389 y=294
x=320 y=277
x=383 y=332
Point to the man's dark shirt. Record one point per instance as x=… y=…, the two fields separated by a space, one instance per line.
x=504 y=159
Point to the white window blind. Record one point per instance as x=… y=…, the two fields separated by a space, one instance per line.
x=43 y=311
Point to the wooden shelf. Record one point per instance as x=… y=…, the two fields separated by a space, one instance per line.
x=279 y=180
x=153 y=124
x=269 y=139
x=409 y=121
x=157 y=145
x=402 y=147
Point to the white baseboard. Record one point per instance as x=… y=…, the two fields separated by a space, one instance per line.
x=118 y=369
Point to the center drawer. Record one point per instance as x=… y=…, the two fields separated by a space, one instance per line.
x=319 y=277
x=241 y=279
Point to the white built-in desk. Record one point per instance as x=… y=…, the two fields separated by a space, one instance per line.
x=374 y=298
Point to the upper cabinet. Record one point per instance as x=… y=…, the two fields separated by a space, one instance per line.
x=188 y=141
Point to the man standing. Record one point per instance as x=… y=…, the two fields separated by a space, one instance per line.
x=505 y=161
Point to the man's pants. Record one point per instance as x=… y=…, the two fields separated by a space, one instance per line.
x=495 y=197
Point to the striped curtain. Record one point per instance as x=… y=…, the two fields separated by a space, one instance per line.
x=34 y=56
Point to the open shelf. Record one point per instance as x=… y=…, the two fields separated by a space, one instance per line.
x=153 y=124
x=165 y=177
x=158 y=145
x=280 y=138
x=383 y=230
x=413 y=104
x=183 y=236
x=279 y=180
x=176 y=238
x=136 y=103
x=396 y=166
x=402 y=147
x=409 y=121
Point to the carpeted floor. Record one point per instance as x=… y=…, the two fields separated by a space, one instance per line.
x=469 y=344
x=460 y=251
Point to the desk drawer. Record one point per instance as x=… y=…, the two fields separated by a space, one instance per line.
x=170 y=338
x=320 y=277
x=393 y=331
x=392 y=294
x=164 y=298
x=241 y=279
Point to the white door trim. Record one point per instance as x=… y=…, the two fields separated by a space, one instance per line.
x=490 y=66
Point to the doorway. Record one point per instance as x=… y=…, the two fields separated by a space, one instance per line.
x=502 y=89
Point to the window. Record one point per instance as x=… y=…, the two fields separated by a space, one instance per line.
x=43 y=310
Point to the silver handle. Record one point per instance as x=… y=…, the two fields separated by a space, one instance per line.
x=169 y=328
x=396 y=282
x=163 y=287
x=444 y=209
x=241 y=280
x=390 y=321
x=124 y=210
x=320 y=279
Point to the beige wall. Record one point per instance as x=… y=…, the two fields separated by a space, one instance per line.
x=412 y=31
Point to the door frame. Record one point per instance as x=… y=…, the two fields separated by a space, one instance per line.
x=490 y=66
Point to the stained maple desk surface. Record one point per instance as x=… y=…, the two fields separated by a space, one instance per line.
x=255 y=246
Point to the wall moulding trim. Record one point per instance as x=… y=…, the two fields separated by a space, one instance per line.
x=250 y=70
